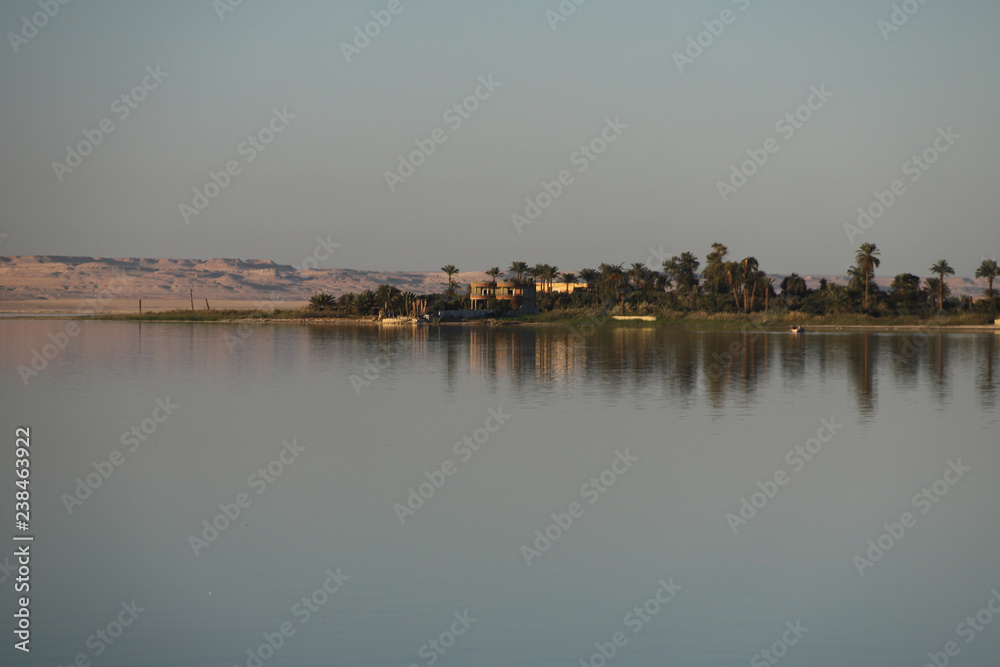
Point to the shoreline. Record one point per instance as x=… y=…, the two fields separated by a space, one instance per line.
x=706 y=324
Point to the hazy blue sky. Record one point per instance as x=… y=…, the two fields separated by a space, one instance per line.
x=655 y=185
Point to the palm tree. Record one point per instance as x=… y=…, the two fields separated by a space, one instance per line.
x=637 y=274
x=942 y=269
x=321 y=301
x=836 y=299
x=364 y=302
x=551 y=273
x=409 y=301
x=614 y=278
x=905 y=287
x=683 y=271
x=733 y=272
x=715 y=269
x=537 y=272
x=767 y=283
x=569 y=278
x=493 y=273
x=450 y=271
x=867 y=260
x=793 y=285
x=546 y=275
x=989 y=269
x=518 y=269
x=346 y=302
x=388 y=297
x=589 y=276
x=856 y=279
x=934 y=286
x=751 y=276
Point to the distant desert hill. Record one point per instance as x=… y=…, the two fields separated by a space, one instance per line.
x=45 y=277
x=58 y=277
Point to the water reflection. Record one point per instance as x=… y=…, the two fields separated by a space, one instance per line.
x=726 y=369
x=681 y=366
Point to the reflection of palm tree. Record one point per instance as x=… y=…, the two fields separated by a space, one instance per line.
x=942 y=269
x=867 y=260
x=989 y=269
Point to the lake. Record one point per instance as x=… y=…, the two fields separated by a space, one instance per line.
x=214 y=494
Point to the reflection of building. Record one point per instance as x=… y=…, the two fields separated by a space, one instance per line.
x=517 y=294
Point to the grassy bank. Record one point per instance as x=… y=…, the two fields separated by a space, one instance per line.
x=288 y=315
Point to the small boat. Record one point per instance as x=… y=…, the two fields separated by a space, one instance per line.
x=797 y=329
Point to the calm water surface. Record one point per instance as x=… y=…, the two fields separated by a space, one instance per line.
x=642 y=443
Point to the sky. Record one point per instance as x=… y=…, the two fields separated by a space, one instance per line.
x=628 y=124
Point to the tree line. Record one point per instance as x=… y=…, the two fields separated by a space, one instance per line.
x=724 y=285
